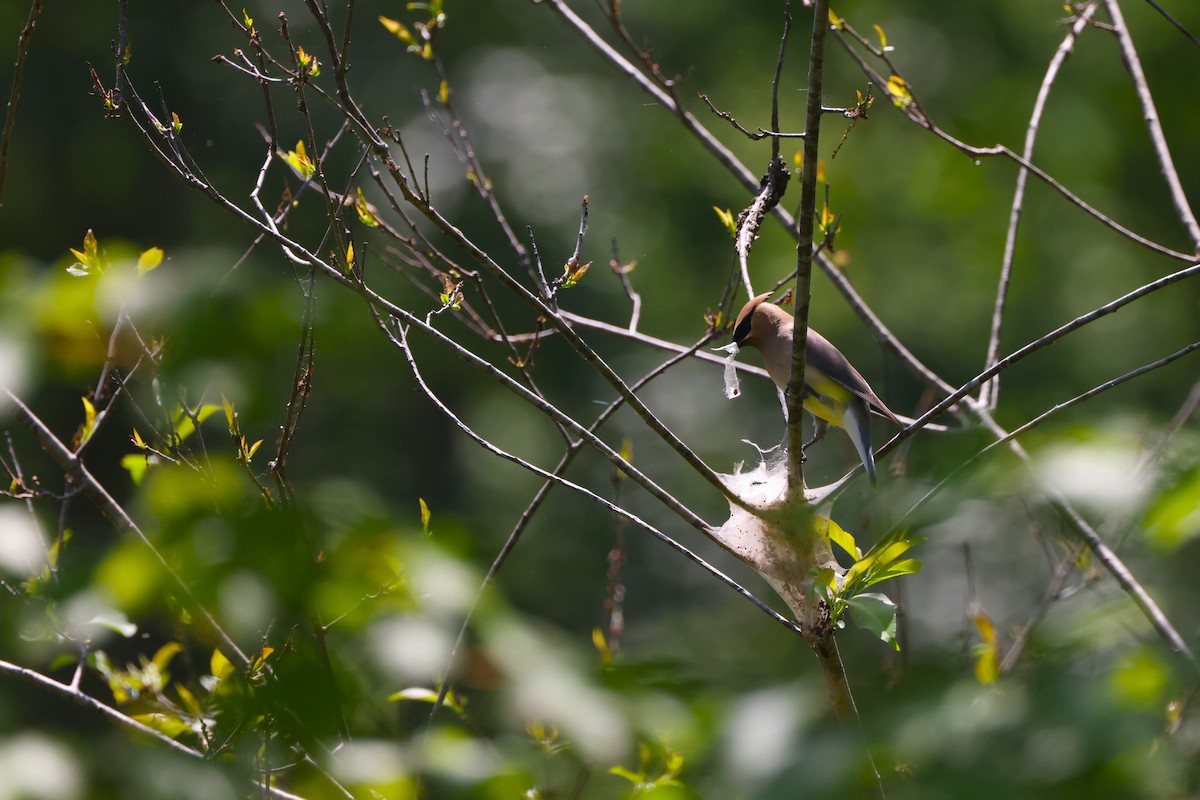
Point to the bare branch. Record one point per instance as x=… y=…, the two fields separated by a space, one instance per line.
x=1153 y=124
x=10 y=114
x=990 y=393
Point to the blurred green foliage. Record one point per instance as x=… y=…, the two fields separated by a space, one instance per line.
x=347 y=600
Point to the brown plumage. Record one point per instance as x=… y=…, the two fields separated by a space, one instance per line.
x=835 y=392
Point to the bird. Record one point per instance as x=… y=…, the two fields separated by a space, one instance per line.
x=834 y=391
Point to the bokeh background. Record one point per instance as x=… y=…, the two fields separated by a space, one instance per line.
x=700 y=675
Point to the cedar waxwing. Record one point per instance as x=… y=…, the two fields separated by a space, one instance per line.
x=834 y=392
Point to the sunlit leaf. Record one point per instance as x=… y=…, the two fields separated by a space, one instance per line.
x=176 y=122
x=184 y=426
x=601 y=645
x=897 y=88
x=307 y=61
x=188 y=700
x=883 y=45
x=422 y=694
x=987 y=652
x=573 y=273
x=168 y=724
x=162 y=658
x=219 y=665
x=90 y=260
x=397 y=29
x=363 y=209
x=149 y=259
x=425 y=515
x=839 y=536
x=299 y=161
x=261 y=659
x=727 y=219
x=227 y=406
x=836 y=22
x=89 y=420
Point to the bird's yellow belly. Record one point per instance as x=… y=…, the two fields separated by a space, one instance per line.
x=827 y=399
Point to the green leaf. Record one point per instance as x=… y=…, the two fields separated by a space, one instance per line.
x=621 y=772
x=184 y=427
x=136 y=464
x=875 y=613
x=168 y=724
x=1173 y=519
x=188 y=700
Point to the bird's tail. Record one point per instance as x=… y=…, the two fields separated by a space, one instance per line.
x=858 y=424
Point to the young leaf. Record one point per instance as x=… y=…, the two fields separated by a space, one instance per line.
x=883 y=45
x=299 y=161
x=425 y=515
x=308 y=62
x=136 y=465
x=727 y=219
x=839 y=536
x=363 y=209
x=229 y=413
x=89 y=421
x=987 y=652
x=421 y=694
x=168 y=724
x=162 y=658
x=149 y=259
x=398 y=30
x=90 y=261
x=573 y=273
x=601 y=645
x=219 y=665
x=897 y=87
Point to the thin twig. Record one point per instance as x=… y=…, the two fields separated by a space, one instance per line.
x=10 y=113
x=990 y=393
x=1153 y=125
x=80 y=476
x=129 y=724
